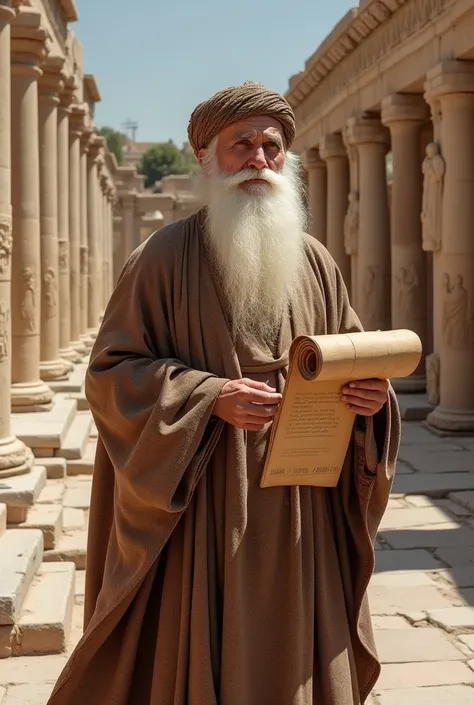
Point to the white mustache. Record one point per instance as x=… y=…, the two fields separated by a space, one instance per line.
x=233 y=180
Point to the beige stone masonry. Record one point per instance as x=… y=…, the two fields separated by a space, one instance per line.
x=29 y=50
x=333 y=152
x=317 y=193
x=87 y=339
x=373 y=276
x=94 y=265
x=405 y=116
x=15 y=458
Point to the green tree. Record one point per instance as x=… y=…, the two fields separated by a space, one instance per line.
x=163 y=159
x=115 y=141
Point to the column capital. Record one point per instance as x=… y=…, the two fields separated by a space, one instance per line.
x=312 y=159
x=332 y=147
x=367 y=130
x=7 y=13
x=403 y=108
x=67 y=97
x=449 y=78
x=77 y=119
x=127 y=199
x=86 y=137
x=51 y=83
x=30 y=41
x=94 y=146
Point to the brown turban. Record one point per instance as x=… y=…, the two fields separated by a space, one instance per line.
x=236 y=103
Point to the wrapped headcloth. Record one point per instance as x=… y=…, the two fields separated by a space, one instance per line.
x=237 y=103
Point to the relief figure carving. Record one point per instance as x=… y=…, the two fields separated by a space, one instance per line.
x=63 y=256
x=373 y=294
x=6 y=243
x=457 y=320
x=351 y=224
x=408 y=282
x=28 y=303
x=4 y=330
x=434 y=168
x=50 y=294
x=432 y=378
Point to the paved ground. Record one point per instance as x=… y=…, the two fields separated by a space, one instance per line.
x=422 y=594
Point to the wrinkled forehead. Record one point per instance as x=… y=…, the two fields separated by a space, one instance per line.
x=254 y=127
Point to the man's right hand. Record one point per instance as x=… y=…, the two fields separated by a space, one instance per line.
x=247 y=404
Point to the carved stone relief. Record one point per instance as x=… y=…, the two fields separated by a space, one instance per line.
x=372 y=294
x=407 y=284
x=351 y=225
x=432 y=378
x=50 y=292
x=4 y=330
x=434 y=169
x=63 y=256
x=458 y=313
x=6 y=243
x=28 y=299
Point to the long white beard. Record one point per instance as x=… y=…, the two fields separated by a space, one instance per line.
x=256 y=239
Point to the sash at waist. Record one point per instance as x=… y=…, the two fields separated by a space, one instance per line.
x=266 y=367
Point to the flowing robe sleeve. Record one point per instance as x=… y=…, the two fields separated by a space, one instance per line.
x=153 y=412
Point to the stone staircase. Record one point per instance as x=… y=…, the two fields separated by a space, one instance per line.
x=43 y=524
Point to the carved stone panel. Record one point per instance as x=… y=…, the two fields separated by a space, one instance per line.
x=351 y=225
x=28 y=299
x=4 y=330
x=457 y=313
x=6 y=243
x=63 y=256
x=434 y=168
x=407 y=284
x=50 y=292
x=372 y=295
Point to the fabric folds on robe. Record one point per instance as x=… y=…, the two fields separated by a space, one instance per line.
x=176 y=503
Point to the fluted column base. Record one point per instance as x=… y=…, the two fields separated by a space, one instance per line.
x=15 y=457
x=31 y=396
x=451 y=421
x=79 y=347
x=70 y=354
x=88 y=341
x=55 y=370
x=414 y=384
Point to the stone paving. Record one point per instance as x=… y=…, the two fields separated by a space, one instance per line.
x=422 y=592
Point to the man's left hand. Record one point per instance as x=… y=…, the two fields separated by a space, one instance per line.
x=366 y=396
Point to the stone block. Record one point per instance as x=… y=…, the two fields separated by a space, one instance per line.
x=456 y=557
x=416 y=434
x=22 y=490
x=413 y=578
x=21 y=553
x=85 y=465
x=80 y=397
x=43 y=452
x=421 y=675
x=78 y=497
x=434 y=484
x=75 y=442
x=45 y=429
x=74 y=519
x=71 y=547
x=464 y=499
x=453 y=617
x=48 y=518
x=31 y=670
x=74 y=384
x=414 y=407
x=45 y=620
x=3 y=520
x=413 y=517
x=390 y=622
x=80 y=586
x=385 y=599
x=440 y=535
x=436 y=695
x=460 y=577
x=429 y=644
x=436 y=459
x=468 y=640
x=37 y=694
x=52 y=492
x=403 y=561
x=55 y=467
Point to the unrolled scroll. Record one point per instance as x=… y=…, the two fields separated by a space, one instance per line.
x=312 y=430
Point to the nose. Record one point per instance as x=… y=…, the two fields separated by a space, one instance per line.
x=257 y=160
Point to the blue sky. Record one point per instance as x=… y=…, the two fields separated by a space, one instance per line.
x=155 y=60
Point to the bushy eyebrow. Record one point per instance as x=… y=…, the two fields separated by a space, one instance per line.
x=249 y=135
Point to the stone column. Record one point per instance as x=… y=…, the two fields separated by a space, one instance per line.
x=333 y=152
x=93 y=279
x=65 y=349
x=110 y=228
x=15 y=458
x=405 y=115
x=128 y=201
x=452 y=83
x=351 y=221
x=29 y=49
x=317 y=193
x=52 y=366
x=373 y=277
x=76 y=128
x=104 y=183
x=118 y=247
x=84 y=245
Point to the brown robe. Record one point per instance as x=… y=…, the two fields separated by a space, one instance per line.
x=202 y=588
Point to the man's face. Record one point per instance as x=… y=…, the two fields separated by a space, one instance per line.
x=253 y=143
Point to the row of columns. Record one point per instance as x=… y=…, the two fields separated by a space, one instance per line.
x=55 y=225
x=410 y=260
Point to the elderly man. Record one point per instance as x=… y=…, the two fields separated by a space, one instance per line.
x=203 y=588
